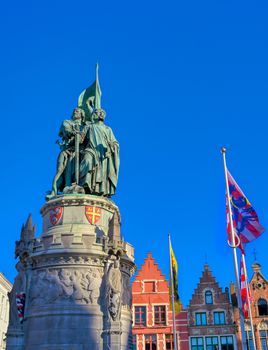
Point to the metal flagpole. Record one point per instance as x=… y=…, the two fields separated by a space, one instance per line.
x=77 y=141
x=234 y=246
x=249 y=307
x=172 y=297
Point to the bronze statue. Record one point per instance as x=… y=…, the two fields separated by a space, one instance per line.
x=65 y=173
x=89 y=157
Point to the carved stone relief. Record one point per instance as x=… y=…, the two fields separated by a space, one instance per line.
x=65 y=286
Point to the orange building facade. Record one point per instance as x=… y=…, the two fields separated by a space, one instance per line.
x=210 y=322
x=259 y=309
x=152 y=315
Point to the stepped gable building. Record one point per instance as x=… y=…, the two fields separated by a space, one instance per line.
x=210 y=316
x=152 y=315
x=259 y=309
x=5 y=288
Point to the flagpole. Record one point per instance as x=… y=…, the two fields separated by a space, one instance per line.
x=172 y=297
x=97 y=77
x=248 y=301
x=97 y=102
x=233 y=246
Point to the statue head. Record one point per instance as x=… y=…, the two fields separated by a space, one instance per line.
x=98 y=114
x=78 y=114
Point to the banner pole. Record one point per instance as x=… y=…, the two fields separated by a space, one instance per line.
x=172 y=297
x=248 y=301
x=233 y=246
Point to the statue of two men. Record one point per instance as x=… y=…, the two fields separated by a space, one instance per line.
x=98 y=156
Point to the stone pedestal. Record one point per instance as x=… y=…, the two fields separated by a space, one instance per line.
x=77 y=274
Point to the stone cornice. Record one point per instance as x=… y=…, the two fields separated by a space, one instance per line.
x=5 y=282
x=79 y=200
x=54 y=260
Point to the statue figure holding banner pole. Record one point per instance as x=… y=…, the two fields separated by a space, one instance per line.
x=89 y=157
x=67 y=174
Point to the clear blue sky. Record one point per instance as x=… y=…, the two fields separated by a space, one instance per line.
x=179 y=80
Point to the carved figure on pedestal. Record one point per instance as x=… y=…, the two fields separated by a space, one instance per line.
x=38 y=284
x=54 y=289
x=65 y=174
x=50 y=285
x=66 y=282
x=44 y=287
x=114 y=290
x=64 y=285
x=80 y=288
x=100 y=163
x=94 y=281
x=89 y=154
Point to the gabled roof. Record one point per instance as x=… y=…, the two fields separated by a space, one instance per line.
x=257 y=275
x=208 y=281
x=149 y=270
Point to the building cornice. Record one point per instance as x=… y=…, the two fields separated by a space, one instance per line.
x=5 y=282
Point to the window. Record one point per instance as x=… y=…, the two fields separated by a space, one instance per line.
x=262 y=307
x=160 y=314
x=212 y=343
x=140 y=316
x=150 y=342
x=197 y=343
x=208 y=297
x=169 y=342
x=227 y=343
x=264 y=339
x=249 y=340
x=200 y=319
x=149 y=287
x=219 y=317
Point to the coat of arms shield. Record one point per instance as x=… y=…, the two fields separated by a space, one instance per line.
x=55 y=215
x=93 y=214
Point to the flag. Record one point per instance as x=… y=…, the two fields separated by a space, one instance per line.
x=90 y=98
x=245 y=220
x=243 y=289
x=174 y=276
x=237 y=241
x=20 y=302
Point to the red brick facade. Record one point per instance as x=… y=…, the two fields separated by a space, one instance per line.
x=152 y=316
x=259 y=308
x=210 y=316
x=211 y=321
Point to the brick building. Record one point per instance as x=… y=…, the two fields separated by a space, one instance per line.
x=210 y=316
x=152 y=315
x=259 y=309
